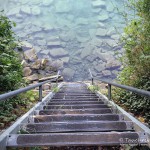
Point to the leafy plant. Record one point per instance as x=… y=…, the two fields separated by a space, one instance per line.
x=136 y=61
x=12 y=108
x=93 y=88
x=10 y=63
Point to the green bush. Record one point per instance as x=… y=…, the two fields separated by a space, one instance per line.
x=11 y=75
x=136 y=61
x=10 y=64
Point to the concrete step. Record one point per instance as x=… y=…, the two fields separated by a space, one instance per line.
x=75 y=106
x=81 y=126
x=74 y=111
x=77 y=117
x=74 y=102
x=76 y=99
x=75 y=139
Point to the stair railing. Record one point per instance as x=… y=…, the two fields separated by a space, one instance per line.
x=19 y=91
x=128 y=88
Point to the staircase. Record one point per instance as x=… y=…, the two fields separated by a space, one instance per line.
x=75 y=116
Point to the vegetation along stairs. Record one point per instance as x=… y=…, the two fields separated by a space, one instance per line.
x=75 y=116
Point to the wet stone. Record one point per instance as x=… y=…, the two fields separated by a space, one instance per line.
x=68 y=73
x=26 y=10
x=36 y=10
x=47 y=2
x=58 y=52
x=98 y=3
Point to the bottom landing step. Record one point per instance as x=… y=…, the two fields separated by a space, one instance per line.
x=77 y=139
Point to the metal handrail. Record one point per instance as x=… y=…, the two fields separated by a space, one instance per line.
x=19 y=91
x=128 y=88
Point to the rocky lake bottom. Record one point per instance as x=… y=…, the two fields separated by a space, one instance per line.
x=74 y=36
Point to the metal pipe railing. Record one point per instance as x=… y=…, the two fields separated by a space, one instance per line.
x=128 y=88
x=91 y=77
x=19 y=91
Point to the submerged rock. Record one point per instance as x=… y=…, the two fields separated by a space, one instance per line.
x=81 y=21
x=54 y=44
x=106 y=73
x=36 y=10
x=47 y=2
x=113 y=64
x=87 y=51
x=100 y=67
x=68 y=73
x=91 y=58
x=26 y=10
x=101 y=32
x=103 y=17
x=13 y=11
x=65 y=59
x=58 y=52
x=41 y=42
x=63 y=6
x=26 y=45
x=57 y=64
x=98 y=3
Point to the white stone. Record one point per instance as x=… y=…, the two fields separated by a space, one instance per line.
x=47 y=2
x=26 y=45
x=36 y=10
x=116 y=36
x=101 y=32
x=41 y=42
x=65 y=59
x=113 y=64
x=81 y=21
x=103 y=17
x=100 y=67
x=106 y=73
x=47 y=27
x=111 y=31
x=13 y=11
x=58 y=52
x=98 y=3
x=87 y=51
x=63 y=6
x=111 y=43
x=34 y=2
x=110 y=7
x=83 y=38
x=97 y=42
x=53 y=44
x=57 y=64
x=26 y=10
x=45 y=52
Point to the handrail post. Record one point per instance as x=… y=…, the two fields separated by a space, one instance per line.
x=40 y=93
x=91 y=77
x=92 y=81
x=58 y=73
x=109 y=91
